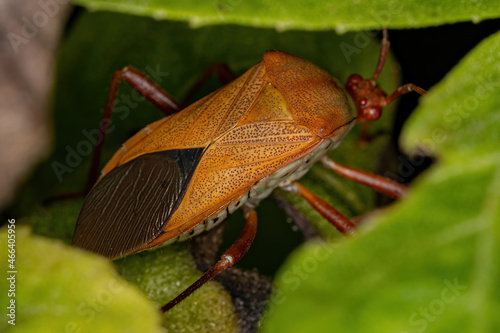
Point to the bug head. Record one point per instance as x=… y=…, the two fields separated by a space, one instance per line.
x=368 y=98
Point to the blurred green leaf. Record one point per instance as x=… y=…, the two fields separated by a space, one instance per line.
x=433 y=262
x=310 y=15
x=62 y=289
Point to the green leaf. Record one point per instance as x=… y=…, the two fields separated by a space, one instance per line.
x=310 y=15
x=62 y=289
x=432 y=263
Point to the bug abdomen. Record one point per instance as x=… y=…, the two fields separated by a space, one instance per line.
x=262 y=189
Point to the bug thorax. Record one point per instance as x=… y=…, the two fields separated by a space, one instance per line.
x=312 y=97
x=368 y=98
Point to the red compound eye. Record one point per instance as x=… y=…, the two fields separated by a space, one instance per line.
x=372 y=113
x=353 y=80
x=363 y=101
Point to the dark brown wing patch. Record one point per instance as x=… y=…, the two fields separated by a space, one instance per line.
x=131 y=205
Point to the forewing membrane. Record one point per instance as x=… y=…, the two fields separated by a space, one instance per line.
x=131 y=205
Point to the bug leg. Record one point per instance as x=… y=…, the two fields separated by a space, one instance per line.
x=378 y=183
x=364 y=137
x=300 y=221
x=144 y=86
x=230 y=257
x=223 y=72
x=405 y=89
x=332 y=215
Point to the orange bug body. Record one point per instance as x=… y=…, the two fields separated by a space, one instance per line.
x=185 y=173
x=263 y=130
